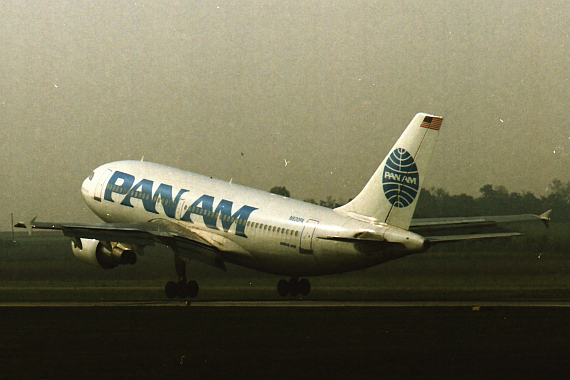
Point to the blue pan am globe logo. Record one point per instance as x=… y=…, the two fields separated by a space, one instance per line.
x=400 y=178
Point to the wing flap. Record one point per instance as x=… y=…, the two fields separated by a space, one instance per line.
x=198 y=251
x=116 y=234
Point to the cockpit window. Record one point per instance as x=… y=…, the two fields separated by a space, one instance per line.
x=91 y=176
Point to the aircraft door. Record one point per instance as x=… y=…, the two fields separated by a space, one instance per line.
x=98 y=194
x=306 y=243
x=181 y=207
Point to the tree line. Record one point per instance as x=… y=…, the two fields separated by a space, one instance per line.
x=495 y=200
x=492 y=200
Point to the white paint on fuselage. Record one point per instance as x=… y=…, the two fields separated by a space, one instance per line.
x=269 y=249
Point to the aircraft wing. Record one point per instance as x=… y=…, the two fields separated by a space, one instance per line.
x=427 y=224
x=182 y=240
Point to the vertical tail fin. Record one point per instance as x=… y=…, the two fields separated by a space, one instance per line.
x=391 y=194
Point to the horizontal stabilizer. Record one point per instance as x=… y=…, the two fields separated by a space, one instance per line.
x=545 y=217
x=455 y=238
x=426 y=224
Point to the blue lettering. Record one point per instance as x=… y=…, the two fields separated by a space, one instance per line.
x=122 y=183
x=164 y=195
x=127 y=181
x=206 y=210
x=144 y=194
x=240 y=217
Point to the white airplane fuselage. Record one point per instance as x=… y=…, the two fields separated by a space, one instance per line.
x=249 y=227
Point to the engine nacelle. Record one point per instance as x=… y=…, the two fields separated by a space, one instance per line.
x=93 y=252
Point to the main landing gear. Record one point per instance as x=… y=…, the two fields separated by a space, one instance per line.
x=294 y=287
x=182 y=288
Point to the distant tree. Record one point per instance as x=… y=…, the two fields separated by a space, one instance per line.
x=436 y=202
x=280 y=190
x=494 y=200
x=310 y=200
x=330 y=202
x=559 y=192
x=558 y=200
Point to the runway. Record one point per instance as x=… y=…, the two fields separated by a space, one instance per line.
x=217 y=339
x=290 y=304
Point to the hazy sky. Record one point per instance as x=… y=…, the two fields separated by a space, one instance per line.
x=326 y=85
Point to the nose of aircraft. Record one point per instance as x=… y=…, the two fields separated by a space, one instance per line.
x=86 y=187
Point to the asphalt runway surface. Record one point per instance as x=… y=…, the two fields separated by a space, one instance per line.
x=284 y=339
x=287 y=303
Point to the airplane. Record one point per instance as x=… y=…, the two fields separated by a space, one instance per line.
x=217 y=222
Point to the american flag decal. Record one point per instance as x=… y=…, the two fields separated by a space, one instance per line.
x=431 y=122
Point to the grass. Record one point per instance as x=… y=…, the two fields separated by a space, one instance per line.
x=42 y=267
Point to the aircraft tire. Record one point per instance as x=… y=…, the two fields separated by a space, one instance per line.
x=293 y=287
x=192 y=289
x=282 y=288
x=304 y=287
x=128 y=257
x=181 y=289
x=170 y=289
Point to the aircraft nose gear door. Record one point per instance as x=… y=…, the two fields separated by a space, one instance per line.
x=306 y=243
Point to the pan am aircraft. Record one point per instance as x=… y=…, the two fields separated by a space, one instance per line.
x=214 y=222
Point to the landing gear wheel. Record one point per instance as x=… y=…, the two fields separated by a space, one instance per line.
x=304 y=287
x=282 y=288
x=128 y=257
x=181 y=289
x=192 y=289
x=170 y=289
x=293 y=286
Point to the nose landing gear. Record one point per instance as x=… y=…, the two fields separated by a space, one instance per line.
x=293 y=287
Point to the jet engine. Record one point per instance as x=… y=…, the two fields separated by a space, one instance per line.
x=94 y=252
